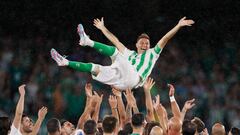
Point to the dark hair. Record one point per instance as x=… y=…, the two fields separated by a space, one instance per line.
x=235 y=131
x=109 y=124
x=137 y=119
x=188 y=128
x=62 y=121
x=149 y=127
x=4 y=125
x=199 y=123
x=143 y=35
x=122 y=132
x=53 y=125
x=90 y=127
x=128 y=128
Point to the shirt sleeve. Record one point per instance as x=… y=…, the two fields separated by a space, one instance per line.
x=127 y=52
x=157 y=49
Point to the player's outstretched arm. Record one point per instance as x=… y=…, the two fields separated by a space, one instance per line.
x=121 y=107
x=20 y=106
x=131 y=101
x=182 y=22
x=175 y=108
x=88 y=108
x=147 y=88
x=161 y=114
x=187 y=106
x=100 y=25
x=41 y=116
x=98 y=98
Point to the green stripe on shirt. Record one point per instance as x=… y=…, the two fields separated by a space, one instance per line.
x=141 y=61
x=148 y=67
x=157 y=49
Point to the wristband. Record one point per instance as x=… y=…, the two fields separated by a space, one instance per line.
x=172 y=99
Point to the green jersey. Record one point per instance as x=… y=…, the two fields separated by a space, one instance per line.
x=143 y=63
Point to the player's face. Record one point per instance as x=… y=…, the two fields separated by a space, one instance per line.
x=143 y=44
x=27 y=124
x=68 y=127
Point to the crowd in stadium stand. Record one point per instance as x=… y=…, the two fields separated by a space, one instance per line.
x=211 y=79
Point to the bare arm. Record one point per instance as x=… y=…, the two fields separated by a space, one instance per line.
x=41 y=115
x=161 y=114
x=187 y=106
x=131 y=100
x=147 y=88
x=121 y=107
x=86 y=114
x=97 y=108
x=163 y=41
x=175 y=108
x=20 y=106
x=113 y=104
x=100 y=25
x=128 y=114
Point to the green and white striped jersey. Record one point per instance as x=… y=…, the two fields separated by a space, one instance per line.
x=143 y=63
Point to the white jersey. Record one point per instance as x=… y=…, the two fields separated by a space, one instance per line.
x=14 y=131
x=143 y=63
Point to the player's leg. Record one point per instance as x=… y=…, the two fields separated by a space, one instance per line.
x=100 y=47
x=79 y=66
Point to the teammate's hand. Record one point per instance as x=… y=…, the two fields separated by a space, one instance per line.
x=171 y=90
x=88 y=89
x=116 y=92
x=183 y=22
x=189 y=104
x=130 y=98
x=99 y=23
x=21 y=90
x=112 y=101
x=148 y=84
x=42 y=112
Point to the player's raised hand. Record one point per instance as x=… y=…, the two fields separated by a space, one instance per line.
x=116 y=92
x=98 y=23
x=42 y=112
x=185 y=22
x=148 y=84
x=189 y=104
x=88 y=89
x=171 y=90
x=21 y=90
x=97 y=97
x=130 y=98
x=112 y=101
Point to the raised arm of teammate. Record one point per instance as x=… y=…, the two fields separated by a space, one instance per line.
x=149 y=106
x=100 y=25
x=20 y=107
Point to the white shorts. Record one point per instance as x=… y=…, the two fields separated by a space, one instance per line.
x=121 y=74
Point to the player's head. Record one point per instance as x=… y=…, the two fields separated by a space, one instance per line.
x=174 y=126
x=199 y=123
x=67 y=127
x=143 y=43
x=156 y=130
x=109 y=124
x=234 y=131
x=54 y=126
x=90 y=127
x=4 y=125
x=26 y=124
x=188 y=128
x=149 y=127
x=138 y=120
x=218 y=129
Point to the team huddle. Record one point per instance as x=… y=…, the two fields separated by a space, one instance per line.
x=129 y=69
